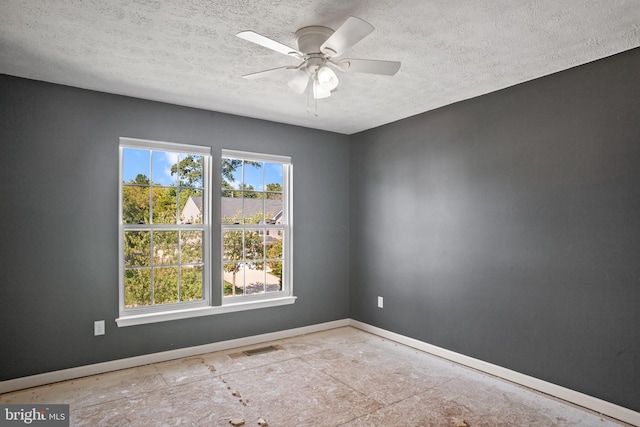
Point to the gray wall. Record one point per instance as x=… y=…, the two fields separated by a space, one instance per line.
x=507 y=228
x=59 y=224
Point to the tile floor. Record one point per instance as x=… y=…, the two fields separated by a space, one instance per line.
x=341 y=377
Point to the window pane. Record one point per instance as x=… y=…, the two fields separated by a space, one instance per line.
x=137 y=287
x=231 y=208
x=274 y=244
x=232 y=245
x=253 y=176
x=232 y=173
x=252 y=194
x=253 y=208
x=191 y=208
x=191 y=170
x=164 y=205
x=135 y=166
x=191 y=247
x=233 y=278
x=274 y=276
x=273 y=180
x=165 y=281
x=191 y=283
x=164 y=168
x=273 y=211
x=273 y=196
x=253 y=245
x=227 y=192
x=254 y=278
x=165 y=247
x=135 y=204
x=137 y=248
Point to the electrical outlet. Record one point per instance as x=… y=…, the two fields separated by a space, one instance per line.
x=379 y=302
x=98 y=327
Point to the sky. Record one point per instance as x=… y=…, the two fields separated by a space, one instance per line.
x=136 y=161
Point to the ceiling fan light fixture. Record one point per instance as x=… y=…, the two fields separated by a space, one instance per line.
x=300 y=80
x=327 y=78
x=320 y=92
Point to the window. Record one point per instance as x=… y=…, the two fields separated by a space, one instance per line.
x=164 y=226
x=256 y=226
x=166 y=261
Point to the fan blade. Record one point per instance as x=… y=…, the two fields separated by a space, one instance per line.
x=351 y=32
x=266 y=73
x=388 y=68
x=268 y=43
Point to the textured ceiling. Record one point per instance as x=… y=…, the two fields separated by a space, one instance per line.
x=186 y=52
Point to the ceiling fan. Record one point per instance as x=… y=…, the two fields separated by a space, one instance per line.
x=318 y=48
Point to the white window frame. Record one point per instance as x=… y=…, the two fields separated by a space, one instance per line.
x=205 y=152
x=286 y=227
x=205 y=307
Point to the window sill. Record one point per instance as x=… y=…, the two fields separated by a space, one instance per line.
x=141 y=319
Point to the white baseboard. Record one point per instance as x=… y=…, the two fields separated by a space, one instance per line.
x=586 y=401
x=131 y=362
x=598 y=405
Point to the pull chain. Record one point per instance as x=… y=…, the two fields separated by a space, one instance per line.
x=316 y=83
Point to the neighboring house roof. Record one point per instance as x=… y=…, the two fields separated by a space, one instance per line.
x=233 y=205
x=198 y=201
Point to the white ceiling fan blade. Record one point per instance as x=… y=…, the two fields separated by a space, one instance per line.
x=268 y=43
x=351 y=32
x=266 y=73
x=371 y=66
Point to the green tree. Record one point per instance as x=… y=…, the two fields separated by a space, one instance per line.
x=135 y=201
x=274 y=187
x=274 y=251
x=227 y=189
x=191 y=283
x=274 y=191
x=229 y=166
x=246 y=191
x=141 y=179
x=189 y=171
x=164 y=204
x=137 y=287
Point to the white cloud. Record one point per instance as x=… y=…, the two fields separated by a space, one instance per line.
x=171 y=159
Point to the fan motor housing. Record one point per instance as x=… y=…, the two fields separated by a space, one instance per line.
x=309 y=39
